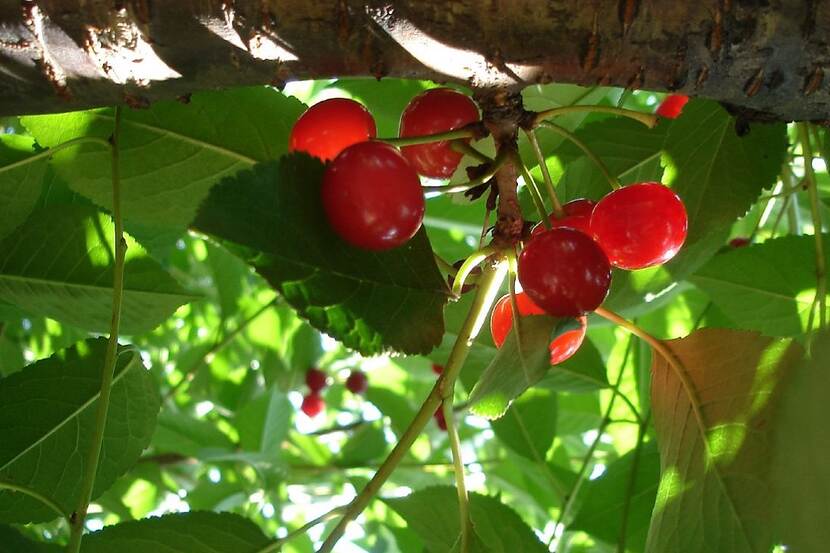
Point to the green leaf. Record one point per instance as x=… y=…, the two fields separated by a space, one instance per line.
x=433 y=514
x=195 y=532
x=583 y=372
x=801 y=475
x=604 y=499
x=21 y=180
x=767 y=287
x=385 y=99
x=364 y=446
x=712 y=410
x=12 y=541
x=264 y=422
x=518 y=365
x=529 y=425
x=47 y=420
x=60 y=262
x=182 y=434
x=370 y=301
x=173 y=152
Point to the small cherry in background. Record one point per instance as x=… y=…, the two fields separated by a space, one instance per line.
x=315 y=379
x=357 y=383
x=739 y=242
x=372 y=197
x=577 y=216
x=437 y=369
x=561 y=348
x=329 y=127
x=435 y=111
x=313 y=404
x=564 y=272
x=640 y=225
x=672 y=106
x=439 y=418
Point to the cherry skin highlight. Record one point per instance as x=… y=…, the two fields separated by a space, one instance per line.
x=312 y=405
x=577 y=216
x=435 y=111
x=357 y=383
x=672 y=106
x=372 y=197
x=640 y=225
x=315 y=379
x=329 y=127
x=564 y=272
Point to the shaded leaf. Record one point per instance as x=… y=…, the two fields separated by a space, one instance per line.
x=529 y=425
x=21 y=180
x=584 y=372
x=12 y=541
x=47 y=420
x=263 y=423
x=370 y=301
x=712 y=414
x=180 y=433
x=365 y=445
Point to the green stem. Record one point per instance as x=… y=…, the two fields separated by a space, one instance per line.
x=461 y=146
x=52 y=151
x=463 y=187
x=612 y=180
x=488 y=287
x=534 y=191
x=36 y=495
x=647 y=119
x=78 y=517
x=467 y=267
x=458 y=469
x=276 y=545
x=464 y=132
x=632 y=482
x=821 y=263
x=540 y=157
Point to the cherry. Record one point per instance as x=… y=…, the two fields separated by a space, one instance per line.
x=564 y=272
x=672 y=106
x=313 y=404
x=561 y=348
x=739 y=242
x=439 y=418
x=577 y=216
x=315 y=379
x=372 y=197
x=640 y=225
x=435 y=111
x=357 y=382
x=437 y=369
x=328 y=127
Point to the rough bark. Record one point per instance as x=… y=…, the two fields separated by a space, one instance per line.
x=765 y=57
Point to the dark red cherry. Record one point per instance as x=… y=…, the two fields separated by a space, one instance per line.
x=435 y=111
x=564 y=272
x=437 y=369
x=577 y=216
x=739 y=242
x=439 y=418
x=315 y=379
x=313 y=404
x=561 y=348
x=357 y=383
x=372 y=196
x=640 y=225
x=329 y=127
x=672 y=106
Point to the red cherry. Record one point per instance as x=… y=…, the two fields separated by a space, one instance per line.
x=435 y=111
x=739 y=242
x=437 y=369
x=672 y=106
x=329 y=127
x=577 y=216
x=357 y=382
x=640 y=226
x=564 y=272
x=439 y=418
x=561 y=348
x=372 y=197
x=315 y=379
x=312 y=405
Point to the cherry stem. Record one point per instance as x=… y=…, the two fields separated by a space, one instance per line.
x=464 y=132
x=463 y=147
x=467 y=267
x=491 y=280
x=540 y=157
x=612 y=180
x=495 y=165
x=458 y=466
x=534 y=190
x=821 y=263
x=647 y=119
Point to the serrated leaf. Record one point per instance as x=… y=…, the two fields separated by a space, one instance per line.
x=713 y=408
x=21 y=179
x=171 y=153
x=370 y=301
x=47 y=420
x=12 y=541
x=604 y=500
x=433 y=514
x=263 y=423
x=801 y=475
x=194 y=532
x=518 y=365
x=767 y=287
x=583 y=372
x=529 y=426
x=60 y=262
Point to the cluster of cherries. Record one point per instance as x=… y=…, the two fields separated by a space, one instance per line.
x=317 y=380
x=373 y=199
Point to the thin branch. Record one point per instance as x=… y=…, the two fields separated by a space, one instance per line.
x=458 y=469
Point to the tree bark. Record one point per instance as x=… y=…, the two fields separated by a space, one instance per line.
x=766 y=58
